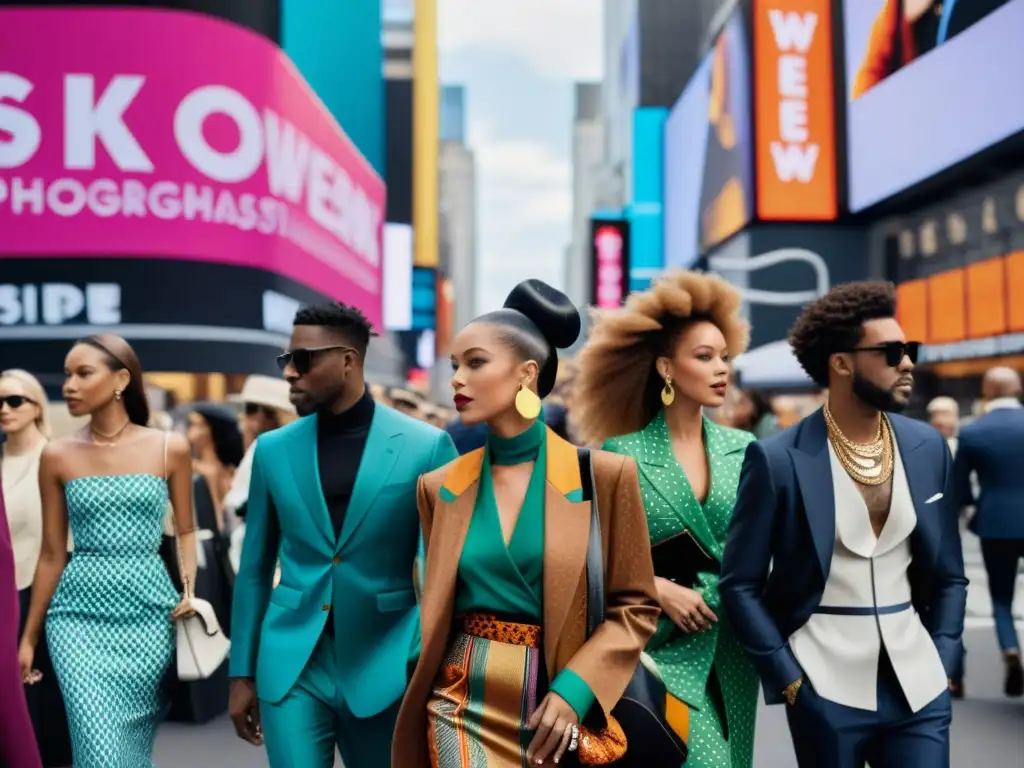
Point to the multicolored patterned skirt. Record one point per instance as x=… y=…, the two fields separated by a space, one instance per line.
x=484 y=695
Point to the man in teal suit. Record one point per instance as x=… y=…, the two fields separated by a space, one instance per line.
x=321 y=660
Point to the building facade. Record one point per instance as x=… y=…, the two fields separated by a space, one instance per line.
x=457 y=192
x=588 y=165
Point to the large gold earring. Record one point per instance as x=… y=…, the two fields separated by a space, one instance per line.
x=668 y=392
x=527 y=403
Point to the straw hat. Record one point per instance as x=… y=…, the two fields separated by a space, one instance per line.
x=265 y=391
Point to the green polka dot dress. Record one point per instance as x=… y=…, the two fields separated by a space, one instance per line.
x=709 y=667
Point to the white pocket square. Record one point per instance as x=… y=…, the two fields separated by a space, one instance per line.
x=934 y=498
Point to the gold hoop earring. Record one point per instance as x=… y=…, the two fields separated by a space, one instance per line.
x=668 y=392
x=117 y=394
x=527 y=403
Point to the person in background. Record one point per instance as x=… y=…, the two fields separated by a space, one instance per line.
x=508 y=675
x=25 y=424
x=433 y=415
x=752 y=412
x=406 y=402
x=16 y=750
x=216 y=444
x=265 y=407
x=647 y=374
x=843 y=573
x=320 y=662
x=905 y=30
x=379 y=393
x=466 y=437
x=992 y=446
x=217 y=450
x=944 y=415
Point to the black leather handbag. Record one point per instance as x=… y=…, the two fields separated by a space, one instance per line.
x=681 y=559
x=650 y=741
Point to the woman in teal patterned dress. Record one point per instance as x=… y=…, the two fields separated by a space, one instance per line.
x=645 y=376
x=109 y=611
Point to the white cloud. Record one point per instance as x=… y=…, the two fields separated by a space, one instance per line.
x=524 y=213
x=561 y=38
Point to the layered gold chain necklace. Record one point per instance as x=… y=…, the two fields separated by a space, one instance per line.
x=867 y=463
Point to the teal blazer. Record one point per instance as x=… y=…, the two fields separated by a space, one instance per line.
x=366 y=573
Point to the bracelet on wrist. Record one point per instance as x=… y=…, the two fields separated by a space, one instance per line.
x=791 y=690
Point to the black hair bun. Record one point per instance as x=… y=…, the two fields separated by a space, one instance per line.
x=549 y=309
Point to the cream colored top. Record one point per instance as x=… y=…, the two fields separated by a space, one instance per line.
x=20 y=477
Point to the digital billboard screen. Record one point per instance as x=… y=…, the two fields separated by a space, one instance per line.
x=609 y=247
x=709 y=151
x=929 y=83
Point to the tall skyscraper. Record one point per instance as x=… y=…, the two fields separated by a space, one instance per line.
x=457 y=167
x=453 y=113
x=588 y=144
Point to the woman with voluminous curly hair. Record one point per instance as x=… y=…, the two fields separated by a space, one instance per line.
x=645 y=376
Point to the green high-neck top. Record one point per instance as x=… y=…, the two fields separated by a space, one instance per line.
x=495 y=578
x=507 y=581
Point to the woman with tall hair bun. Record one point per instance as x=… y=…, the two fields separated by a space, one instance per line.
x=645 y=376
x=109 y=611
x=507 y=672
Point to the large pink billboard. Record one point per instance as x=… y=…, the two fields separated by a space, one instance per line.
x=174 y=135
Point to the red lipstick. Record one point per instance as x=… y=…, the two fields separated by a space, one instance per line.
x=461 y=401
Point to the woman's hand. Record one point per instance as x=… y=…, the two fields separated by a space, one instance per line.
x=183 y=609
x=554 y=722
x=26 y=655
x=684 y=606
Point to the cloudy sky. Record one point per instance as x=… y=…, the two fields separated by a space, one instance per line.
x=518 y=62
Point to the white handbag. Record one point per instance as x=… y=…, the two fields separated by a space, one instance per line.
x=202 y=644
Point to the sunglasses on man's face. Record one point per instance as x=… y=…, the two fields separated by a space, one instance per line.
x=894 y=351
x=301 y=359
x=14 y=402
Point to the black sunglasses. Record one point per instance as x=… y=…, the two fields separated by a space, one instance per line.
x=894 y=351
x=14 y=402
x=302 y=359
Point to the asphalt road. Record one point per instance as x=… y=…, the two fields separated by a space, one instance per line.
x=987 y=728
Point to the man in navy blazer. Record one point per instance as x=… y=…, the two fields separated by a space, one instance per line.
x=849 y=596
x=991 y=447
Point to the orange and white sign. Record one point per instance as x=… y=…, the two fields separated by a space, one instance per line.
x=794 y=110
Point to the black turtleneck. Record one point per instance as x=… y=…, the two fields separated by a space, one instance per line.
x=340 y=441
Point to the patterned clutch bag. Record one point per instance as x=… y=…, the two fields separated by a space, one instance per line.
x=602 y=747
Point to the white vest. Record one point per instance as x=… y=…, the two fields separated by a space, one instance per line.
x=840 y=653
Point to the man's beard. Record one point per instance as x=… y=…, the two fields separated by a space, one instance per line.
x=874 y=396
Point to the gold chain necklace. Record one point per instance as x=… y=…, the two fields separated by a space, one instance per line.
x=111 y=437
x=867 y=463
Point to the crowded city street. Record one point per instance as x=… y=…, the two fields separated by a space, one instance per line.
x=487 y=384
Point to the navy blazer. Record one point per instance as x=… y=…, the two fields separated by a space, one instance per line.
x=992 y=447
x=785 y=518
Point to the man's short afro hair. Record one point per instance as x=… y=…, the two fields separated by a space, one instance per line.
x=348 y=321
x=834 y=323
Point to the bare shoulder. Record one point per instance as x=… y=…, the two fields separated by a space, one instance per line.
x=56 y=451
x=177 y=447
